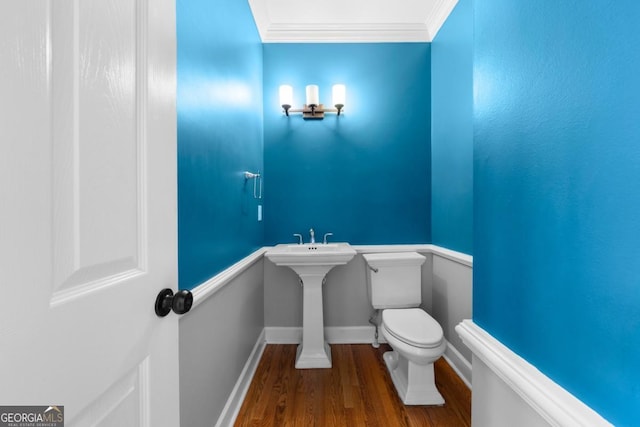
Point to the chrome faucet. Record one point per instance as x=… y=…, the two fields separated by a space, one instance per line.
x=299 y=236
x=325 y=237
x=313 y=236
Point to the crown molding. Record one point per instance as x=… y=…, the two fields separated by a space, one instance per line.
x=276 y=26
x=441 y=11
x=345 y=33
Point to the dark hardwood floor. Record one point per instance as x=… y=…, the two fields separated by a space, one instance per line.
x=357 y=391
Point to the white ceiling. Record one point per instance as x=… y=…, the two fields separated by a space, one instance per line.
x=349 y=21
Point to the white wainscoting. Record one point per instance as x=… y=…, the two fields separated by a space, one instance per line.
x=509 y=391
x=209 y=357
x=446 y=292
x=451 y=302
x=221 y=340
x=234 y=403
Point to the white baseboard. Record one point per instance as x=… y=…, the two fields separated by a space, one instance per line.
x=333 y=335
x=551 y=402
x=361 y=335
x=350 y=334
x=234 y=402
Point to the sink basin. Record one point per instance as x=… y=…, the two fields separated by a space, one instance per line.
x=312 y=262
x=311 y=254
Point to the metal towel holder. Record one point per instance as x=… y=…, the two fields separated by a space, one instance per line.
x=257 y=183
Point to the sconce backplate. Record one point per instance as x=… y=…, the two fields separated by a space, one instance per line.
x=317 y=114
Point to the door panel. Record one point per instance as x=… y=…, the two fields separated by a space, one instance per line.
x=88 y=214
x=124 y=402
x=96 y=140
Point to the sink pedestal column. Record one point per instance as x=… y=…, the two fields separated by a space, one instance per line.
x=314 y=352
x=311 y=263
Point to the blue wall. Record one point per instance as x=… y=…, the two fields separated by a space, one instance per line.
x=220 y=135
x=452 y=131
x=556 y=194
x=364 y=176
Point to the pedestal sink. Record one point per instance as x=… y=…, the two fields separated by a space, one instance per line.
x=312 y=262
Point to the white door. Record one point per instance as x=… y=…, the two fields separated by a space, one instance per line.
x=88 y=209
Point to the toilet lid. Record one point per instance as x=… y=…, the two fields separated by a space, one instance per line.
x=413 y=326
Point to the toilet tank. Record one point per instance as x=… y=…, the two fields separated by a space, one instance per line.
x=394 y=279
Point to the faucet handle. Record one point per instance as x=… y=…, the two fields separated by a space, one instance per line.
x=325 y=237
x=299 y=236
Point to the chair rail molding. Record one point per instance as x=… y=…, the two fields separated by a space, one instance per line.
x=553 y=403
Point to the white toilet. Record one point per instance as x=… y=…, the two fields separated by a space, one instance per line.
x=394 y=285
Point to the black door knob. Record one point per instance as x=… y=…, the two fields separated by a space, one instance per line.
x=180 y=303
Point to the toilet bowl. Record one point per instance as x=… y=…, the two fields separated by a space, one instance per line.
x=417 y=340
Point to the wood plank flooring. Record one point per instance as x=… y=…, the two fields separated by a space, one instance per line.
x=357 y=391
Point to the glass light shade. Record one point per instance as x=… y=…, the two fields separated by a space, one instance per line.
x=313 y=97
x=339 y=93
x=286 y=95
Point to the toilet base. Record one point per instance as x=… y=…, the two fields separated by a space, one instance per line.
x=414 y=383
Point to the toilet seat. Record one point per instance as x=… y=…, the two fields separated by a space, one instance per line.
x=413 y=326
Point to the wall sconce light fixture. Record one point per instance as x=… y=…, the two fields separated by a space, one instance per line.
x=313 y=109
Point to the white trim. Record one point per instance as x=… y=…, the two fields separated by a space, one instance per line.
x=204 y=290
x=217 y=282
x=239 y=392
x=455 y=256
x=362 y=335
x=369 y=249
x=345 y=33
x=260 y=16
x=278 y=23
x=553 y=403
x=458 y=363
x=349 y=334
x=440 y=14
x=333 y=334
x=458 y=257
